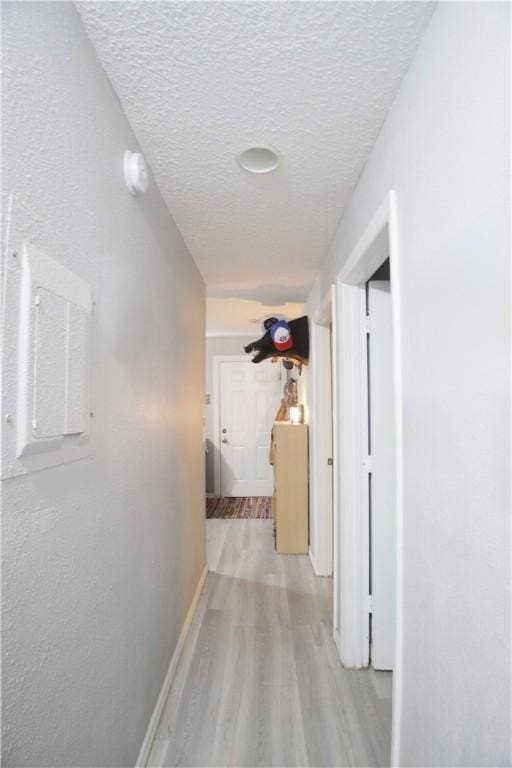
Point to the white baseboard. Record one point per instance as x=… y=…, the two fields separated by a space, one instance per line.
x=313 y=561
x=337 y=642
x=147 y=743
x=210 y=495
x=318 y=571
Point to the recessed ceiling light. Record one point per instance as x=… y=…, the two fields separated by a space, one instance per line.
x=258 y=160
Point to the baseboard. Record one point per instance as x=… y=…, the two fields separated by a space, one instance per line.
x=313 y=561
x=317 y=571
x=147 y=743
x=337 y=642
x=210 y=495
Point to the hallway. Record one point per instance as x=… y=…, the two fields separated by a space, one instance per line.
x=256 y=262
x=259 y=682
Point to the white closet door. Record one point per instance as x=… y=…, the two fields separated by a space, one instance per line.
x=383 y=485
x=249 y=398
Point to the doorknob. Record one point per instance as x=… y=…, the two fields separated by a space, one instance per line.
x=224 y=431
x=224 y=440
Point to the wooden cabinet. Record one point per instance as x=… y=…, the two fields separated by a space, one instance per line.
x=289 y=455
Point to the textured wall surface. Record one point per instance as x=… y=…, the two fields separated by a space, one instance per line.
x=101 y=556
x=202 y=81
x=444 y=148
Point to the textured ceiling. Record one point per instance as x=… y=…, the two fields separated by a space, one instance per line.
x=228 y=317
x=201 y=81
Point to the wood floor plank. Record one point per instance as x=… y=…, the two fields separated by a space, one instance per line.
x=259 y=682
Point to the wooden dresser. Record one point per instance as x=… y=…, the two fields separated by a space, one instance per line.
x=289 y=455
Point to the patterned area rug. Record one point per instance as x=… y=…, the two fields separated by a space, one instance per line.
x=241 y=507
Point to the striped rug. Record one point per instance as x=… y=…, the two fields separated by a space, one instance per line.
x=241 y=507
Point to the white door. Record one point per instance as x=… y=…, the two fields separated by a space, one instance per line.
x=249 y=399
x=382 y=478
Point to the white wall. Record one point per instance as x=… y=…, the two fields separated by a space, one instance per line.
x=101 y=556
x=219 y=345
x=444 y=149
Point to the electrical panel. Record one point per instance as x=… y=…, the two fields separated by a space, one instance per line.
x=52 y=365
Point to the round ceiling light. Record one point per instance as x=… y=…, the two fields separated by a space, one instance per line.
x=258 y=160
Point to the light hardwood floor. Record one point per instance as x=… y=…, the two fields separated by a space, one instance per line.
x=259 y=682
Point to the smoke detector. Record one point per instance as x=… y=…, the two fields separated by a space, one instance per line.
x=258 y=160
x=135 y=172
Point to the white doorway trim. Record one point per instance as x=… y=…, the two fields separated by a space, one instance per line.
x=217 y=360
x=321 y=474
x=351 y=544
x=336 y=470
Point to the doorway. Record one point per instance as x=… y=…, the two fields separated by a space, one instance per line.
x=368 y=455
x=381 y=469
x=246 y=399
x=321 y=442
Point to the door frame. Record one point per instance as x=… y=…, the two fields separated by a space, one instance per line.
x=351 y=544
x=217 y=360
x=321 y=421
